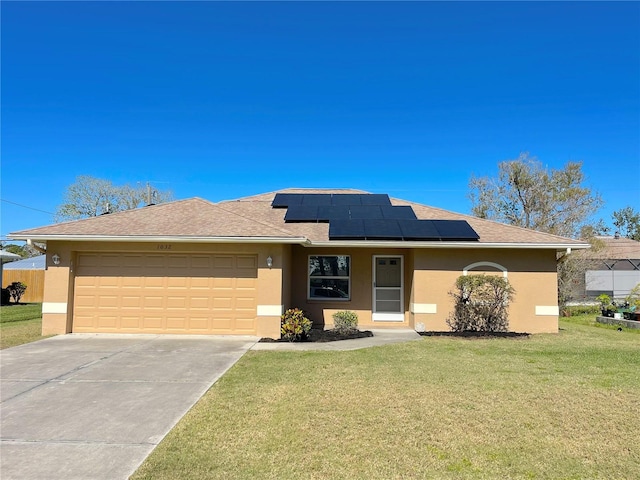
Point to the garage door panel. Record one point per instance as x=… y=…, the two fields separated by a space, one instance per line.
x=176 y=323
x=130 y=323
x=157 y=293
x=107 y=321
x=108 y=301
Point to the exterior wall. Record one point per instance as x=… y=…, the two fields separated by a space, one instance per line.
x=531 y=273
x=321 y=311
x=57 y=305
x=58 y=290
x=429 y=276
x=33 y=279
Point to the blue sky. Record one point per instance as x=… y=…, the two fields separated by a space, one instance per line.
x=227 y=99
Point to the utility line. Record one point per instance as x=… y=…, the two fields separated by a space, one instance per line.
x=24 y=206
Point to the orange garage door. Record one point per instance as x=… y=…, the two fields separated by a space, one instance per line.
x=165 y=293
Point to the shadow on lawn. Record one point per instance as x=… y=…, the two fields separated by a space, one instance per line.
x=477 y=335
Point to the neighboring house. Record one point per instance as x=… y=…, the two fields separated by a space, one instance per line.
x=29 y=271
x=613 y=269
x=197 y=267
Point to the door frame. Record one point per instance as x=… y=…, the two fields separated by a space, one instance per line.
x=387 y=317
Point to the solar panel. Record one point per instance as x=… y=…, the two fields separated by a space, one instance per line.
x=382 y=229
x=301 y=213
x=326 y=214
x=418 y=230
x=365 y=211
x=455 y=230
x=375 y=199
x=346 y=199
x=284 y=200
x=316 y=199
x=346 y=229
x=403 y=212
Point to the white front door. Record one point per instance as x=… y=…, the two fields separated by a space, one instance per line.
x=388 y=289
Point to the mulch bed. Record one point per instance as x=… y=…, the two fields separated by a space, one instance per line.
x=477 y=335
x=321 y=336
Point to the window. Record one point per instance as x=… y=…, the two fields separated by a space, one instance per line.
x=329 y=277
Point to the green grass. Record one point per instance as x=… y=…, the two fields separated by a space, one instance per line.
x=559 y=406
x=20 y=324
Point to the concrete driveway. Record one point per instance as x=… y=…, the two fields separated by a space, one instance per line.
x=94 y=406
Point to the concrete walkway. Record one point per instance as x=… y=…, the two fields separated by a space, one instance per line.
x=94 y=406
x=380 y=337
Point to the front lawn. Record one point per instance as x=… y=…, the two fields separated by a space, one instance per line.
x=20 y=324
x=550 y=406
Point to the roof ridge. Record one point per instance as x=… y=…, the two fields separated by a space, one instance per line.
x=285 y=190
x=129 y=210
x=260 y=222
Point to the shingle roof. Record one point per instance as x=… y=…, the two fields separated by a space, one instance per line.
x=253 y=217
x=615 y=249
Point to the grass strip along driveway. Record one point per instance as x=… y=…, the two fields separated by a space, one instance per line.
x=20 y=324
x=548 y=406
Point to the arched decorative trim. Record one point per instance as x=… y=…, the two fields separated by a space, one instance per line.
x=466 y=269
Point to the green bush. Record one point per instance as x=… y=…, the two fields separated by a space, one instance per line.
x=480 y=304
x=294 y=325
x=345 y=321
x=604 y=299
x=633 y=299
x=576 y=310
x=16 y=290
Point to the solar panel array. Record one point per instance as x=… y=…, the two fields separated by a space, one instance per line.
x=368 y=217
x=407 y=230
x=285 y=200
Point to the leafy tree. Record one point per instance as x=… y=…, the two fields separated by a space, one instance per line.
x=17 y=249
x=90 y=197
x=627 y=222
x=16 y=290
x=529 y=195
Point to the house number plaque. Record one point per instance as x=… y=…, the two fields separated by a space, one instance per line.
x=163 y=246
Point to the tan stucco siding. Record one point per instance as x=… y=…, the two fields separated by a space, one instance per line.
x=429 y=276
x=59 y=303
x=361 y=294
x=531 y=273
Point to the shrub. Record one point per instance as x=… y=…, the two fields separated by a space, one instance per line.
x=294 y=325
x=604 y=300
x=481 y=304
x=5 y=297
x=16 y=290
x=633 y=299
x=345 y=321
x=575 y=310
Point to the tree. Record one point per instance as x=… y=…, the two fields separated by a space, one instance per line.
x=627 y=222
x=529 y=195
x=23 y=250
x=16 y=290
x=90 y=197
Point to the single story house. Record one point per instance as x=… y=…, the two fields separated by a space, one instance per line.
x=29 y=271
x=233 y=267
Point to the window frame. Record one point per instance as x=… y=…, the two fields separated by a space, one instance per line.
x=331 y=277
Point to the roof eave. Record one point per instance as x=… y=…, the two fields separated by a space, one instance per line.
x=443 y=244
x=157 y=238
x=300 y=241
